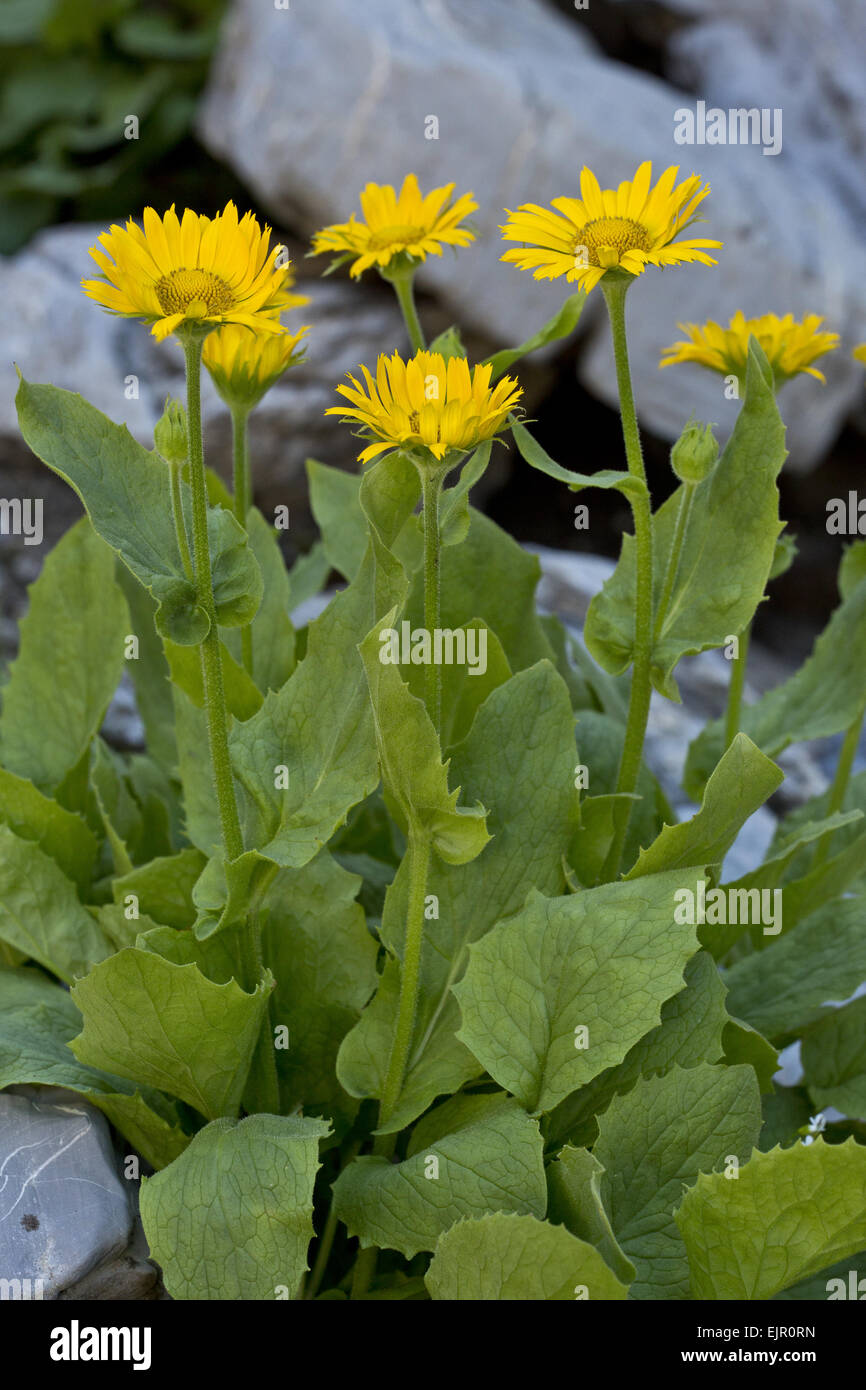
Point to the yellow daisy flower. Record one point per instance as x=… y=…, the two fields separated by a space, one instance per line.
x=395 y=225
x=859 y=353
x=629 y=228
x=244 y=365
x=190 y=269
x=428 y=402
x=791 y=347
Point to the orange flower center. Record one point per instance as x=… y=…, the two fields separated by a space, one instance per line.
x=197 y=294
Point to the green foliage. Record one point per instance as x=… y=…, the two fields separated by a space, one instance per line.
x=416 y=1008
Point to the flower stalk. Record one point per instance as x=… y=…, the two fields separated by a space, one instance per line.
x=614 y=288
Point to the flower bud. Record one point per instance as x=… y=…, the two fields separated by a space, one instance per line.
x=694 y=455
x=170 y=433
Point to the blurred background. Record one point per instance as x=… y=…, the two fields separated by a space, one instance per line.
x=291 y=106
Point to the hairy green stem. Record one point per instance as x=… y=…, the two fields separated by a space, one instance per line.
x=405 y=292
x=180 y=521
x=431 y=488
x=836 y=801
x=641 y=687
x=736 y=687
x=682 y=522
x=214 y=694
x=243 y=500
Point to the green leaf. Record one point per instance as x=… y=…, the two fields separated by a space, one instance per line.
x=482 y=1155
x=318 y=728
x=37 y=1021
x=243 y=698
x=449 y=343
x=691 y=1031
x=336 y=507
x=745 y=1044
x=518 y=758
x=163 y=887
x=454 y=514
x=604 y=960
x=561 y=325
x=574 y=1185
x=491 y=578
x=781 y=990
x=126 y=492
x=69 y=662
x=726 y=556
x=40 y=912
x=852 y=568
x=537 y=457
x=410 y=760
x=666 y=1131
x=604 y=734
x=822 y=698
x=150 y=674
x=170 y=1027
x=346 y=505
x=63 y=835
x=803 y=825
x=791 y=1213
x=273 y=635
x=232 y=1218
x=308 y=575
x=833 y=1057
x=316 y=943
x=518 y=1259
x=742 y=781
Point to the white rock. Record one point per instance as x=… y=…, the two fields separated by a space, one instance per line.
x=309 y=103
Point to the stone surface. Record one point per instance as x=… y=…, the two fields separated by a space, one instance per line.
x=310 y=102
x=64 y=1210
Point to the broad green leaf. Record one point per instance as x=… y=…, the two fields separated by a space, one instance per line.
x=232 y=1218
x=273 y=635
x=537 y=457
x=316 y=733
x=802 y=826
x=787 y=1111
x=449 y=343
x=660 y=1136
x=574 y=1184
x=345 y=505
x=518 y=1259
x=465 y=688
x=120 y=929
x=242 y=695
x=63 y=835
x=691 y=1031
x=726 y=556
x=829 y=879
x=745 y=1044
x=791 y=1213
x=454 y=515
x=601 y=736
x=308 y=575
x=149 y=673
x=163 y=887
x=742 y=782
x=561 y=325
x=488 y=576
x=566 y=986
x=168 y=1026
x=822 y=698
x=37 y=1021
x=846 y=1279
x=69 y=662
x=41 y=914
x=337 y=510
x=852 y=568
x=201 y=822
x=833 y=1057
x=410 y=760
x=489 y=1159
x=518 y=758
x=126 y=492
x=225 y=891
x=316 y=943
x=782 y=989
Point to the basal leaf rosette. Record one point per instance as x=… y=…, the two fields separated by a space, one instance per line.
x=191 y=270
x=612 y=229
x=791 y=346
x=432 y=408
x=397 y=230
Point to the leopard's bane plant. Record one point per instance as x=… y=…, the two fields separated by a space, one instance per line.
x=387 y=952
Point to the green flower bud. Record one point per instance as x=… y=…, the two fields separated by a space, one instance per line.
x=694 y=455
x=170 y=433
